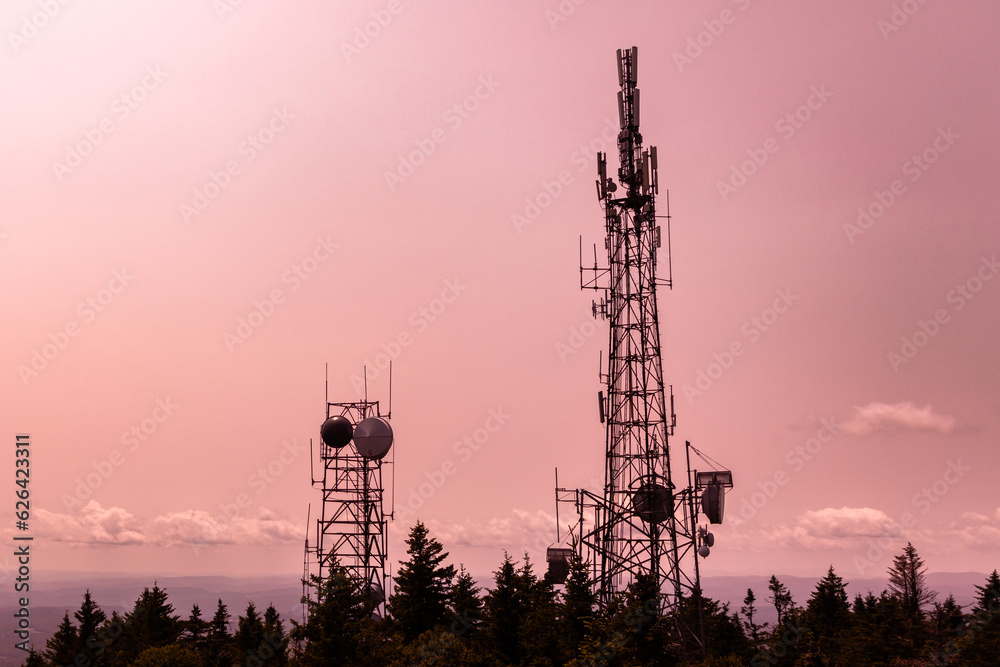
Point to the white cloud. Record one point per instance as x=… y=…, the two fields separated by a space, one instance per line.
x=523 y=531
x=825 y=529
x=884 y=418
x=114 y=525
x=93 y=525
x=976 y=531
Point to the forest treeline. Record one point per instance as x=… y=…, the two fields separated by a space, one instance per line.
x=439 y=616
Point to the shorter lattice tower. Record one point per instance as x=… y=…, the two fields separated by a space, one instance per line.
x=351 y=528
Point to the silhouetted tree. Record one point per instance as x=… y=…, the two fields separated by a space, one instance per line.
x=907 y=582
x=422 y=586
x=749 y=610
x=218 y=647
x=275 y=638
x=90 y=618
x=195 y=628
x=61 y=647
x=249 y=635
x=828 y=617
x=578 y=605
x=979 y=642
x=466 y=604
x=880 y=631
x=539 y=632
x=781 y=598
x=339 y=629
x=504 y=610
x=34 y=659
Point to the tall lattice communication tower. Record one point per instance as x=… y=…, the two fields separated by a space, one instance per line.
x=351 y=528
x=644 y=522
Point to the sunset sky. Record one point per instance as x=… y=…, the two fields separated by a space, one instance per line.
x=204 y=202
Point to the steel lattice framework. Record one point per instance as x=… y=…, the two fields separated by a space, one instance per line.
x=351 y=528
x=643 y=524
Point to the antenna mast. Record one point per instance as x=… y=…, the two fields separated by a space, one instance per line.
x=644 y=525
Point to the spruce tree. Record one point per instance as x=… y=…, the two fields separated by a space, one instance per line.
x=249 y=635
x=61 y=647
x=781 y=598
x=539 y=633
x=339 y=629
x=218 y=647
x=34 y=659
x=504 y=612
x=466 y=603
x=422 y=586
x=90 y=618
x=275 y=637
x=980 y=645
x=578 y=604
x=907 y=582
x=828 y=615
x=749 y=610
x=195 y=628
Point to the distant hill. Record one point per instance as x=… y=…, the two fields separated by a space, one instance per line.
x=53 y=595
x=733 y=589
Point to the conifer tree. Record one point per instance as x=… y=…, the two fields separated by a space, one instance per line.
x=504 y=612
x=249 y=635
x=195 y=628
x=907 y=582
x=466 y=603
x=218 y=647
x=339 y=629
x=578 y=605
x=828 y=615
x=275 y=637
x=980 y=645
x=61 y=647
x=34 y=659
x=420 y=600
x=749 y=610
x=539 y=632
x=90 y=618
x=781 y=598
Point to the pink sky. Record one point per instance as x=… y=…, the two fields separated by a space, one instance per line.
x=250 y=161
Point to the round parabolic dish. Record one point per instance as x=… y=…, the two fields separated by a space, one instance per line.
x=653 y=502
x=336 y=431
x=373 y=437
